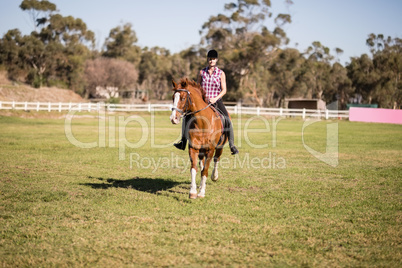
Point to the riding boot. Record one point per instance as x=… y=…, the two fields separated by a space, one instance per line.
x=230 y=133
x=181 y=145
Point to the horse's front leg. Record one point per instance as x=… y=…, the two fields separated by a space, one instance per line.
x=193 y=158
x=204 y=174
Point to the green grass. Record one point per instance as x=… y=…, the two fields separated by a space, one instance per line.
x=61 y=205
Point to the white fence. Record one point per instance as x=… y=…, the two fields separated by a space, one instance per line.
x=93 y=107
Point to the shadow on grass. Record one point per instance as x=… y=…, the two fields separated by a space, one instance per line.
x=140 y=184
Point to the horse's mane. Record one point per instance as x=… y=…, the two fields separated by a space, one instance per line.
x=185 y=83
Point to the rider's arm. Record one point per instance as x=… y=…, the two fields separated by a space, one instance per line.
x=223 y=87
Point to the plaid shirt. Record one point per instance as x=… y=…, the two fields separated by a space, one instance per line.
x=211 y=83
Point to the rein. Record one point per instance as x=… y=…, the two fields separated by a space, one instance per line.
x=189 y=102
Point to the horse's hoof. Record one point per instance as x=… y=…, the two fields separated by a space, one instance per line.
x=193 y=195
x=214 y=179
x=201 y=195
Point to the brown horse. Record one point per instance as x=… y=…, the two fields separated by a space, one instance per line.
x=205 y=131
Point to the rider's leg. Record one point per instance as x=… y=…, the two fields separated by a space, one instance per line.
x=228 y=128
x=183 y=142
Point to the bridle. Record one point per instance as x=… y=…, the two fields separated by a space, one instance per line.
x=187 y=104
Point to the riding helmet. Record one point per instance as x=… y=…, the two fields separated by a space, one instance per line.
x=212 y=54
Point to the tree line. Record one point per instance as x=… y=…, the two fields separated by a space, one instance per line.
x=259 y=66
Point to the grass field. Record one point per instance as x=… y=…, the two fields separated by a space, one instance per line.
x=124 y=201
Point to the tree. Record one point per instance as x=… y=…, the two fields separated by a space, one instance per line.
x=107 y=72
x=316 y=77
x=37 y=55
x=339 y=87
x=121 y=44
x=156 y=72
x=9 y=54
x=364 y=77
x=285 y=70
x=387 y=61
x=57 y=49
x=378 y=79
x=39 y=10
x=245 y=43
x=319 y=52
x=194 y=57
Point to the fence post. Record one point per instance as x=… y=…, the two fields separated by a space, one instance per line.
x=49 y=108
x=326 y=114
x=79 y=107
x=149 y=107
x=13 y=105
x=304 y=113
x=37 y=106
x=26 y=106
x=258 y=111
x=59 y=107
x=280 y=111
x=0 y=105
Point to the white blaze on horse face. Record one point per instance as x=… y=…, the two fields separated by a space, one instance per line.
x=173 y=117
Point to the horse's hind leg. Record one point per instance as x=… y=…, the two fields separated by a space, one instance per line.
x=215 y=175
x=202 y=163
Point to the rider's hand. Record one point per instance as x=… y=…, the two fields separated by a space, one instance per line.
x=213 y=100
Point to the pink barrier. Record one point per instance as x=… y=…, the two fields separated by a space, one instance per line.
x=375 y=115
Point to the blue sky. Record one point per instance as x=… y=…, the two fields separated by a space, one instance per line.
x=175 y=24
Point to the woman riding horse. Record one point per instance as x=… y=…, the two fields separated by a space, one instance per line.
x=213 y=81
x=205 y=133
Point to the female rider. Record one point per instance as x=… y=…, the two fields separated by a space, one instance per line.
x=213 y=81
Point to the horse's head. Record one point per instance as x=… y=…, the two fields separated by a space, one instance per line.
x=181 y=100
x=187 y=96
